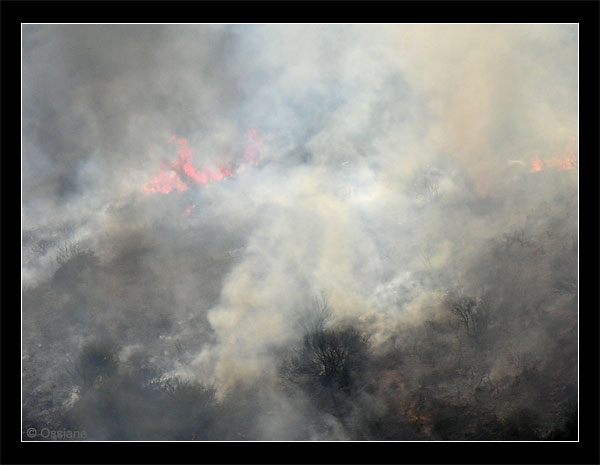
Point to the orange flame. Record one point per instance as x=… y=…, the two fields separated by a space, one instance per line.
x=566 y=161
x=536 y=165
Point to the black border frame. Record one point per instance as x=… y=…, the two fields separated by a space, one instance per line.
x=586 y=13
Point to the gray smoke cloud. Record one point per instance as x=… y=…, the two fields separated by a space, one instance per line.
x=397 y=165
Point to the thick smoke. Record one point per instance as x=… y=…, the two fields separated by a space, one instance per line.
x=404 y=193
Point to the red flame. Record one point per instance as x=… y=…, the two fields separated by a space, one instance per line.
x=196 y=176
x=183 y=173
x=165 y=181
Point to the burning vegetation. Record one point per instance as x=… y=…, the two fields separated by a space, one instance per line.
x=348 y=243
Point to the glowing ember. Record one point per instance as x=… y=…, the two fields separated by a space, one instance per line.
x=188 y=210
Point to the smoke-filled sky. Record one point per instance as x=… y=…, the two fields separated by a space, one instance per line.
x=230 y=175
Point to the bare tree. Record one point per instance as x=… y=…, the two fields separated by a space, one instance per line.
x=331 y=358
x=317 y=318
x=473 y=314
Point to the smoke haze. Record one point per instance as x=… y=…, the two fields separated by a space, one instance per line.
x=406 y=192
